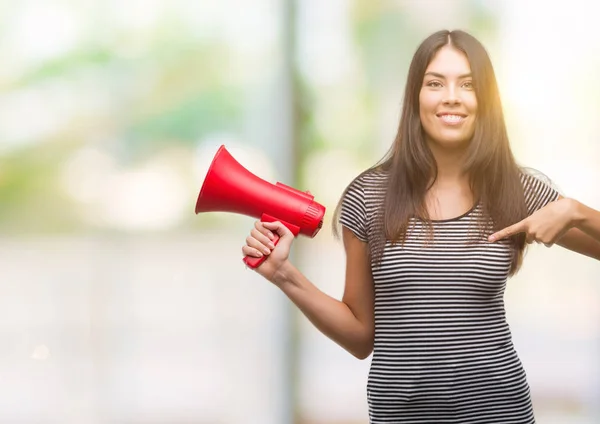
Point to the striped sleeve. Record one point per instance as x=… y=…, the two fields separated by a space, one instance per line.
x=353 y=213
x=538 y=193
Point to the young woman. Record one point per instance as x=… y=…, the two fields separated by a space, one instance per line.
x=431 y=235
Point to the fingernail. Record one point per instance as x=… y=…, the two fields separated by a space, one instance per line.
x=271 y=245
x=492 y=238
x=270 y=235
x=259 y=253
x=267 y=251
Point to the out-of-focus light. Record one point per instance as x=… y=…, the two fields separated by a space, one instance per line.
x=154 y=196
x=40 y=353
x=28 y=115
x=256 y=31
x=150 y=198
x=36 y=113
x=86 y=175
x=40 y=31
x=326 y=53
x=136 y=14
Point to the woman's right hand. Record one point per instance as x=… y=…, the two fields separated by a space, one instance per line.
x=260 y=243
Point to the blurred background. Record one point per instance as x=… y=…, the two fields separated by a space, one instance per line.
x=120 y=305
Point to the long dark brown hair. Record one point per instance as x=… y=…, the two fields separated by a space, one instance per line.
x=411 y=169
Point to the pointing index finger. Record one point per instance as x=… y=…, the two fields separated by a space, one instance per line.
x=507 y=232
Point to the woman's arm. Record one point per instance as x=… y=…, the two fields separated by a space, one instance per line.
x=584 y=236
x=565 y=222
x=349 y=322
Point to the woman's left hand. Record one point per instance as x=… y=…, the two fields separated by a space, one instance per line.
x=546 y=225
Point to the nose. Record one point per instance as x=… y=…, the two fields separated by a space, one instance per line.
x=451 y=98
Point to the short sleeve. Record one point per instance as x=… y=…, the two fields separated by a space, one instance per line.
x=538 y=193
x=353 y=213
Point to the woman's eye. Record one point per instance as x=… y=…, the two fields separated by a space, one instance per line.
x=434 y=84
x=468 y=85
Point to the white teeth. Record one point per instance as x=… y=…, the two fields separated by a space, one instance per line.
x=451 y=118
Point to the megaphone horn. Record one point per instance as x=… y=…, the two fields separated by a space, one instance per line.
x=229 y=187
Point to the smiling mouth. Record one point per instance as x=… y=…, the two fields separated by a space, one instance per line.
x=451 y=119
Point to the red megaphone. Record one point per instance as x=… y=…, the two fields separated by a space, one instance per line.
x=229 y=187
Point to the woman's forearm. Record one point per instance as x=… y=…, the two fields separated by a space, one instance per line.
x=587 y=220
x=330 y=316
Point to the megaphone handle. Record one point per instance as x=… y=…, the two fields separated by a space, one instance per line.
x=253 y=262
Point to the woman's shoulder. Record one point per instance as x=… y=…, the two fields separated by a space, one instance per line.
x=533 y=178
x=538 y=188
x=371 y=178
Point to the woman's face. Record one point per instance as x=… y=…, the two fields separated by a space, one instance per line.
x=447 y=101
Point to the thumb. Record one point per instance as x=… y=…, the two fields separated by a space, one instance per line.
x=279 y=228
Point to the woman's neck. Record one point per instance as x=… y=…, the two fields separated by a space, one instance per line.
x=449 y=163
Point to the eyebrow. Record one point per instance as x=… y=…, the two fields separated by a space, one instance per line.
x=437 y=75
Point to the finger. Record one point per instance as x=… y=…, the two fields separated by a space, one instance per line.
x=251 y=251
x=530 y=239
x=279 y=228
x=508 y=231
x=546 y=241
x=259 y=225
x=256 y=244
x=262 y=238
